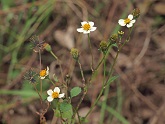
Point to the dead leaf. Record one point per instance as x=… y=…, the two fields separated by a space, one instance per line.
x=65 y=38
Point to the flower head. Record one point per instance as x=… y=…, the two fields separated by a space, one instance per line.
x=44 y=73
x=75 y=53
x=103 y=46
x=53 y=94
x=127 y=22
x=86 y=27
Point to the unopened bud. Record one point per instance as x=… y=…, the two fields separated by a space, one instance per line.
x=47 y=47
x=114 y=37
x=75 y=53
x=103 y=46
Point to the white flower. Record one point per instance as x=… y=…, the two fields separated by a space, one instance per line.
x=127 y=22
x=53 y=94
x=86 y=27
x=44 y=73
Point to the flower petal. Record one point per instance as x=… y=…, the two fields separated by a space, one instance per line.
x=84 y=22
x=49 y=92
x=80 y=29
x=121 y=22
x=42 y=77
x=91 y=24
x=86 y=32
x=50 y=98
x=47 y=68
x=61 y=95
x=93 y=28
x=130 y=16
x=133 y=21
x=57 y=89
x=129 y=25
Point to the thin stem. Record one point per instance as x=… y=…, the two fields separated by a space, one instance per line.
x=51 y=81
x=40 y=70
x=103 y=87
x=103 y=57
x=37 y=92
x=82 y=74
x=58 y=63
x=105 y=97
x=89 y=42
x=84 y=92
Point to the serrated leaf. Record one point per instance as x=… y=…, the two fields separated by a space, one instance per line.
x=75 y=91
x=66 y=110
x=65 y=106
x=67 y=114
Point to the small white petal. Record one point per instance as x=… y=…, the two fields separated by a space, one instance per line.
x=86 y=32
x=61 y=95
x=47 y=68
x=50 y=98
x=91 y=24
x=57 y=89
x=133 y=21
x=93 y=28
x=80 y=30
x=42 y=77
x=130 y=16
x=121 y=22
x=129 y=25
x=83 y=23
x=49 y=92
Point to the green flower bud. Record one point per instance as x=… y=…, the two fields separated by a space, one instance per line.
x=75 y=53
x=103 y=46
x=47 y=47
x=120 y=34
x=114 y=37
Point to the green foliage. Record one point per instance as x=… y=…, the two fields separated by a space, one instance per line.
x=66 y=110
x=75 y=91
x=26 y=93
x=56 y=112
x=111 y=80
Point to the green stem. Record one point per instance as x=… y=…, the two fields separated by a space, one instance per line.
x=40 y=70
x=58 y=63
x=37 y=92
x=89 y=42
x=103 y=107
x=103 y=87
x=84 y=92
x=51 y=81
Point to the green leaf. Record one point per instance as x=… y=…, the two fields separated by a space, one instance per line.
x=111 y=80
x=56 y=112
x=23 y=93
x=66 y=110
x=67 y=114
x=64 y=106
x=75 y=91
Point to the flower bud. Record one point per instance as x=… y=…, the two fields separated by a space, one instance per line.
x=103 y=46
x=114 y=37
x=47 y=47
x=120 y=34
x=75 y=53
x=136 y=13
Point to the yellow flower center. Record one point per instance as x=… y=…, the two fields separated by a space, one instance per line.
x=55 y=95
x=86 y=26
x=43 y=73
x=127 y=21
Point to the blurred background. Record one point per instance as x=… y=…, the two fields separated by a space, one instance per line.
x=137 y=95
